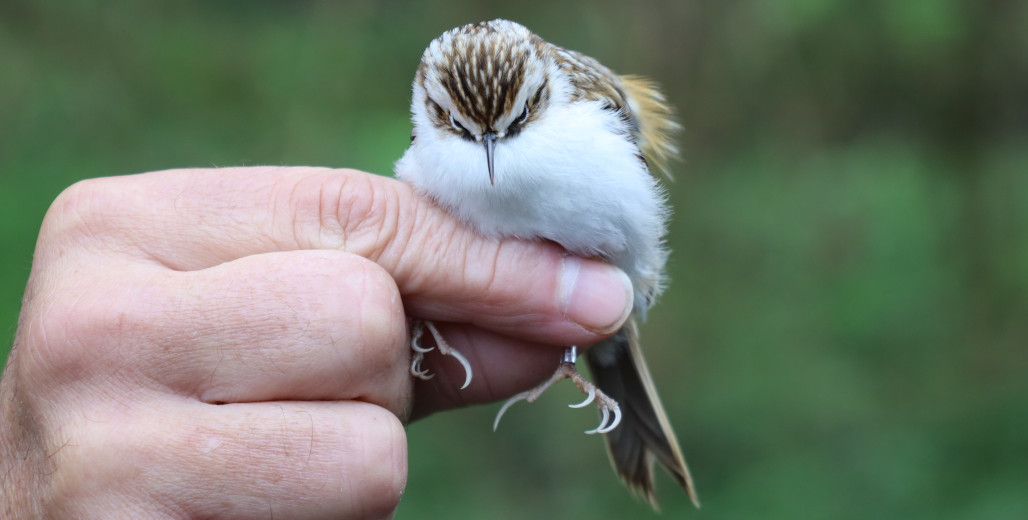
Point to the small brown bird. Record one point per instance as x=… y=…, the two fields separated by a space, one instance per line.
x=520 y=137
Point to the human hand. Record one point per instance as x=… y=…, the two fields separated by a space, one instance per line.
x=232 y=343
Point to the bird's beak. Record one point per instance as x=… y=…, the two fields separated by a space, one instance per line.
x=489 y=140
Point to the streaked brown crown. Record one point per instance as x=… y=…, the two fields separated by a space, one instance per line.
x=482 y=67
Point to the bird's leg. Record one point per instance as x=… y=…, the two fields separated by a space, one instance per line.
x=417 y=329
x=567 y=370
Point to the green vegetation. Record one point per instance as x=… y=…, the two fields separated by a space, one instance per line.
x=845 y=334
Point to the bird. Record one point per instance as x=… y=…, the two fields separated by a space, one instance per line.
x=518 y=137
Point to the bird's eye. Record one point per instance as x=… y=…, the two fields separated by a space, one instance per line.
x=521 y=119
x=456 y=124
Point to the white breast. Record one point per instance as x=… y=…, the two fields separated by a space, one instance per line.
x=573 y=177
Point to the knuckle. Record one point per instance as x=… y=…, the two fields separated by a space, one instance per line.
x=357 y=202
x=79 y=209
x=343 y=209
x=367 y=209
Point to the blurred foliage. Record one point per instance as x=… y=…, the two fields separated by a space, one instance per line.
x=845 y=335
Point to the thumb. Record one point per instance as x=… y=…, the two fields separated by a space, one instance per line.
x=529 y=289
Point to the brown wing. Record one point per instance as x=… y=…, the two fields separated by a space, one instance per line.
x=591 y=80
x=650 y=118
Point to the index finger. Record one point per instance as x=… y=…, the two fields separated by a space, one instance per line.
x=194 y=219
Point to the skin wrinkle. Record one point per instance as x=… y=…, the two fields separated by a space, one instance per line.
x=365 y=212
x=310 y=445
x=359 y=349
x=303 y=213
x=466 y=259
x=296 y=223
x=502 y=308
x=360 y=211
x=334 y=210
x=494 y=268
x=414 y=278
x=169 y=506
x=214 y=372
x=410 y=271
x=415 y=215
x=321 y=211
x=496 y=309
x=449 y=242
x=388 y=225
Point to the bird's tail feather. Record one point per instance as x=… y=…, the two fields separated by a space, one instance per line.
x=645 y=433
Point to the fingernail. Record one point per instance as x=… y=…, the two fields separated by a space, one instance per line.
x=595 y=295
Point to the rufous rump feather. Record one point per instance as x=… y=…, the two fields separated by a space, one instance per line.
x=657 y=125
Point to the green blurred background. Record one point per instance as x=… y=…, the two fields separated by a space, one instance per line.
x=846 y=332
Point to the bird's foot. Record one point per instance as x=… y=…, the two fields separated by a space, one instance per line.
x=417 y=329
x=567 y=370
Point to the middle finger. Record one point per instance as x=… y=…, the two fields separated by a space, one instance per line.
x=299 y=325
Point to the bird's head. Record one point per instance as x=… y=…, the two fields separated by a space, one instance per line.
x=483 y=83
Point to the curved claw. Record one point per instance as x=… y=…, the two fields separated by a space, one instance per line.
x=464 y=363
x=446 y=350
x=588 y=399
x=415 y=344
x=520 y=397
x=613 y=422
x=603 y=421
x=422 y=375
x=418 y=372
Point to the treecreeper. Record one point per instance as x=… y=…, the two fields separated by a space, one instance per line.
x=518 y=137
